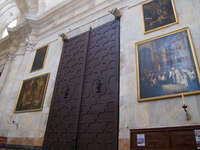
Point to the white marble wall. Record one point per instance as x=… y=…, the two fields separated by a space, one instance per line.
x=30 y=124
x=161 y=113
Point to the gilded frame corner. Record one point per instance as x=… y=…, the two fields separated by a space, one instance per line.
x=161 y=27
x=194 y=56
x=43 y=97
x=45 y=57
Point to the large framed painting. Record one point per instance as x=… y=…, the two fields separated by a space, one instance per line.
x=167 y=66
x=32 y=94
x=158 y=14
x=39 y=60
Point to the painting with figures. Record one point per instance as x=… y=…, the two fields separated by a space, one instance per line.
x=39 y=60
x=158 y=14
x=167 y=66
x=32 y=93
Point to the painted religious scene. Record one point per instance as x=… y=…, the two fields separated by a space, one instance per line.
x=158 y=13
x=32 y=94
x=166 y=66
x=39 y=59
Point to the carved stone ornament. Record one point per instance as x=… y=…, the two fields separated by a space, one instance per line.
x=116 y=13
x=29 y=44
x=16 y=36
x=63 y=36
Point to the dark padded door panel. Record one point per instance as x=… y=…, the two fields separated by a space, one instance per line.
x=84 y=108
x=98 y=125
x=63 y=119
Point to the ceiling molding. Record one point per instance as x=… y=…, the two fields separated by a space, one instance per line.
x=68 y=14
x=15 y=37
x=5 y=3
x=64 y=17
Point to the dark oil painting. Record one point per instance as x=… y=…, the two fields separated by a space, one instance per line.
x=158 y=13
x=167 y=65
x=1 y=69
x=38 y=62
x=32 y=94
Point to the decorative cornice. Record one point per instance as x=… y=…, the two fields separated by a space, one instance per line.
x=6 y=8
x=52 y=11
x=62 y=15
x=5 y=4
x=63 y=18
x=15 y=37
x=66 y=15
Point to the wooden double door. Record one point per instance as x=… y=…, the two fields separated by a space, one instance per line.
x=84 y=107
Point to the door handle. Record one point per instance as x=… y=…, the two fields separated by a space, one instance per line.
x=98 y=86
x=66 y=93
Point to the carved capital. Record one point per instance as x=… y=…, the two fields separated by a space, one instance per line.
x=16 y=36
x=116 y=13
x=63 y=36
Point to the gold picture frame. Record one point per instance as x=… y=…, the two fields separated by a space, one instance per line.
x=32 y=94
x=161 y=26
x=156 y=66
x=43 y=61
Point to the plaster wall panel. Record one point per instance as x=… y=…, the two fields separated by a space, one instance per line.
x=29 y=124
x=161 y=113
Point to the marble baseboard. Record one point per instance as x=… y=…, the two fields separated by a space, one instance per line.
x=21 y=141
x=124 y=144
x=7 y=143
x=18 y=147
x=36 y=143
x=25 y=141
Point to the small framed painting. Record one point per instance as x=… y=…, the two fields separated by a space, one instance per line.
x=167 y=66
x=32 y=94
x=39 y=59
x=158 y=14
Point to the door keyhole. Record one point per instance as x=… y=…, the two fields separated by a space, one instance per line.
x=98 y=86
x=66 y=93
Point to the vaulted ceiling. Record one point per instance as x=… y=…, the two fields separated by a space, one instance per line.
x=18 y=9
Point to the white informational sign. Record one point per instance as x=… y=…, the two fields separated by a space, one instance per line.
x=197 y=136
x=140 y=140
